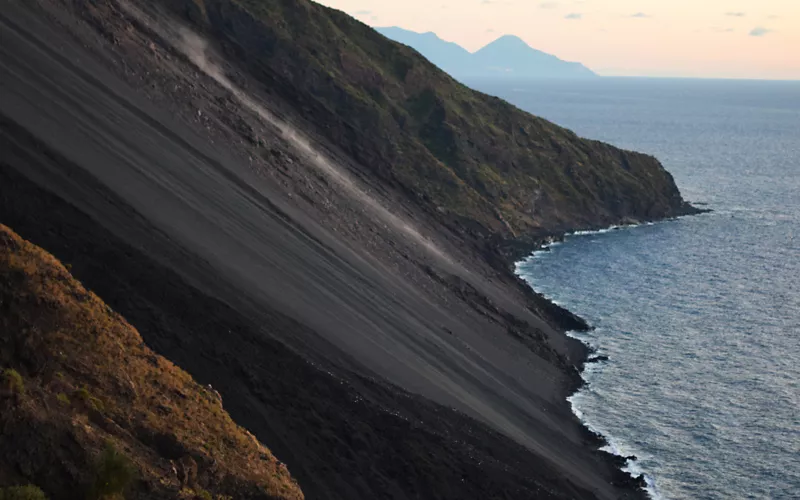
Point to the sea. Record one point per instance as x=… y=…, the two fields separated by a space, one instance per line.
x=699 y=316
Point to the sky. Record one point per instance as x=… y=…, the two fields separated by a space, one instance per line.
x=757 y=39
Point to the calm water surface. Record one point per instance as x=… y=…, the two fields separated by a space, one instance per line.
x=700 y=316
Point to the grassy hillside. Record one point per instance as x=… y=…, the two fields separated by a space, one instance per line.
x=487 y=165
x=88 y=411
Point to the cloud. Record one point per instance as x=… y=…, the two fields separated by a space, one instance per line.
x=574 y=16
x=640 y=15
x=363 y=12
x=759 y=31
x=722 y=30
x=735 y=14
x=490 y=30
x=548 y=5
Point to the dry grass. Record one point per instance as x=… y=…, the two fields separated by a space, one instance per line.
x=80 y=355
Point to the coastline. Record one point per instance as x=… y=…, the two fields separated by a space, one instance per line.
x=627 y=463
x=144 y=225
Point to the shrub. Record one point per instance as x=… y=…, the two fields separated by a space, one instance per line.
x=82 y=394
x=13 y=381
x=90 y=401
x=29 y=492
x=96 y=404
x=195 y=494
x=63 y=398
x=113 y=473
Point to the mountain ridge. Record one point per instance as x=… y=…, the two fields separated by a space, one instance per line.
x=506 y=57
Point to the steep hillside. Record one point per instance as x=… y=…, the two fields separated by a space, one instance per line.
x=484 y=163
x=310 y=223
x=88 y=411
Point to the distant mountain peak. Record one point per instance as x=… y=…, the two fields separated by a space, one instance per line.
x=509 y=56
x=509 y=41
x=511 y=45
x=409 y=37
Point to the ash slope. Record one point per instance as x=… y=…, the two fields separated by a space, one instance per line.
x=237 y=257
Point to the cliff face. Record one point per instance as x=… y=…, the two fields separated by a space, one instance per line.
x=484 y=163
x=89 y=412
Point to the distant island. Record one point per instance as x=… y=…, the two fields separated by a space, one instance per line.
x=508 y=57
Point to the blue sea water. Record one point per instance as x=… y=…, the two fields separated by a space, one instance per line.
x=700 y=316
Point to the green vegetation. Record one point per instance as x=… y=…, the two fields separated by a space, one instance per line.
x=90 y=401
x=63 y=398
x=201 y=494
x=114 y=472
x=473 y=157
x=29 y=492
x=13 y=382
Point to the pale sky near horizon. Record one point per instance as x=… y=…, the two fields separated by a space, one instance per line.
x=757 y=39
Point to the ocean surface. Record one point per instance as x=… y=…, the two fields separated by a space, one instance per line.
x=700 y=316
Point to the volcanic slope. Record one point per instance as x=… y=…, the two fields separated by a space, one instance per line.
x=246 y=237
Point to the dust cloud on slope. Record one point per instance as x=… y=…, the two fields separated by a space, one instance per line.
x=197 y=50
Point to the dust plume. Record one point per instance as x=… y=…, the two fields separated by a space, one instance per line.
x=197 y=50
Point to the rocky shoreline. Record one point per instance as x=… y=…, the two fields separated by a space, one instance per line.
x=526 y=247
